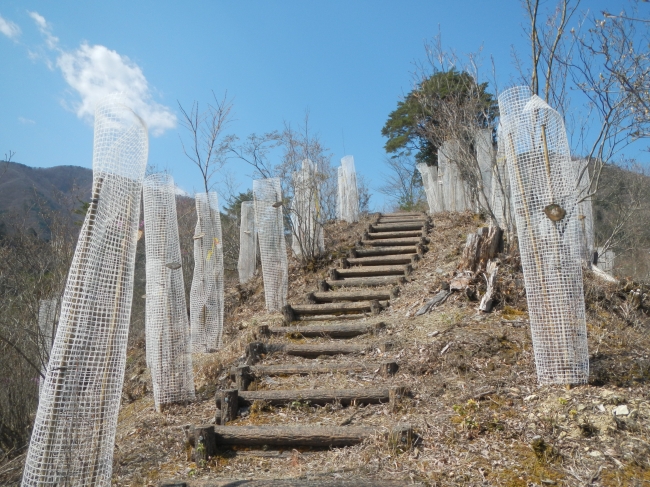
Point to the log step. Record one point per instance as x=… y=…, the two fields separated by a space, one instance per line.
x=339 y=296
x=362 y=282
x=400 y=259
x=256 y=349
x=316 y=397
x=384 y=235
x=333 y=330
x=372 y=271
x=290 y=482
x=292 y=311
x=395 y=227
x=379 y=251
x=292 y=436
x=385 y=369
x=401 y=214
x=396 y=242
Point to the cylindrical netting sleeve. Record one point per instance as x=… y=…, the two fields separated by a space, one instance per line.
x=270 y=233
x=341 y=196
x=486 y=160
x=74 y=432
x=501 y=201
x=585 y=212
x=166 y=325
x=46 y=328
x=307 y=229
x=206 y=295
x=431 y=187
x=456 y=196
x=351 y=201
x=543 y=182
x=247 y=242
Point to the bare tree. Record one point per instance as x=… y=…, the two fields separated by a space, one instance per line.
x=208 y=145
x=403 y=185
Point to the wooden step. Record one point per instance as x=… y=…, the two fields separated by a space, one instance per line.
x=395 y=242
x=316 y=397
x=384 y=235
x=395 y=227
x=292 y=436
x=292 y=312
x=341 y=296
x=300 y=482
x=326 y=285
x=371 y=271
x=399 y=259
x=385 y=369
x=385 y=251
x=256 y=349
x=336 y=330
x=401 y=214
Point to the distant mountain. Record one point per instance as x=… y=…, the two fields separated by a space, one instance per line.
x=24 y=188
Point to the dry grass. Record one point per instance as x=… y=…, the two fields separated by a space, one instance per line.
x=480 y=417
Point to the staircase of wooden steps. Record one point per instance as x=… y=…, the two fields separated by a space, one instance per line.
x=346 y=306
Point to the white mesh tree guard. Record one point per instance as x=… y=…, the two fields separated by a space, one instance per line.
x=247 y=242
x=585 y=212
x=269 y=222
x=167 y=326
x=431 y=187
x=606 y=260
x=206 y=295
x=47 y=309
x=544 y=191
x=348 y=197
x=486 y=159
x=456 y=197
x=73 y=437
x=501 y=200
x=307 y=228
x=340 y=195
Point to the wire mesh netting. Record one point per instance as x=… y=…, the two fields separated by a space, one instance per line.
x=340 y=195
x=247 y=242
x=307 y=228
x=485 y=158
x=431 y=187
x=585 y=211
x=501 y=200
x=166 y=326
x=47 y=310
x=348 y=196
x=206 y=295
x=543 y=181
x=73 y=437
x=454 y=189
x=269 y=222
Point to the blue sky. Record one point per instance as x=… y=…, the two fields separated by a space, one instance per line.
x=347 y=62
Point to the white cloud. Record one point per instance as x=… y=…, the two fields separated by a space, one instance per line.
x=46 y=29
x=8 y=28
x=96 y=71
x=26 y=121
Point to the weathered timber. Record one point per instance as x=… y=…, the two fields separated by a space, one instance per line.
x=318 y=349
x=368 y=395
x=385 y=369
x=229 y=404
x=336 y=330
x=254 y=352
x=202 y=435
x=308 y=318
x=395 y=227
x=379 y=251
x=402 y=213
x=403 y=234
x=395 y=242
x=396 y=393
x=491 y=270
x=480 y=247
x=288 y=482
x=297 y=436
x=243 y=377
x=400 y=259
x=365 y=282
x=335 y=308
x=377 y=270
x=437 y=300
x=339 y=296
